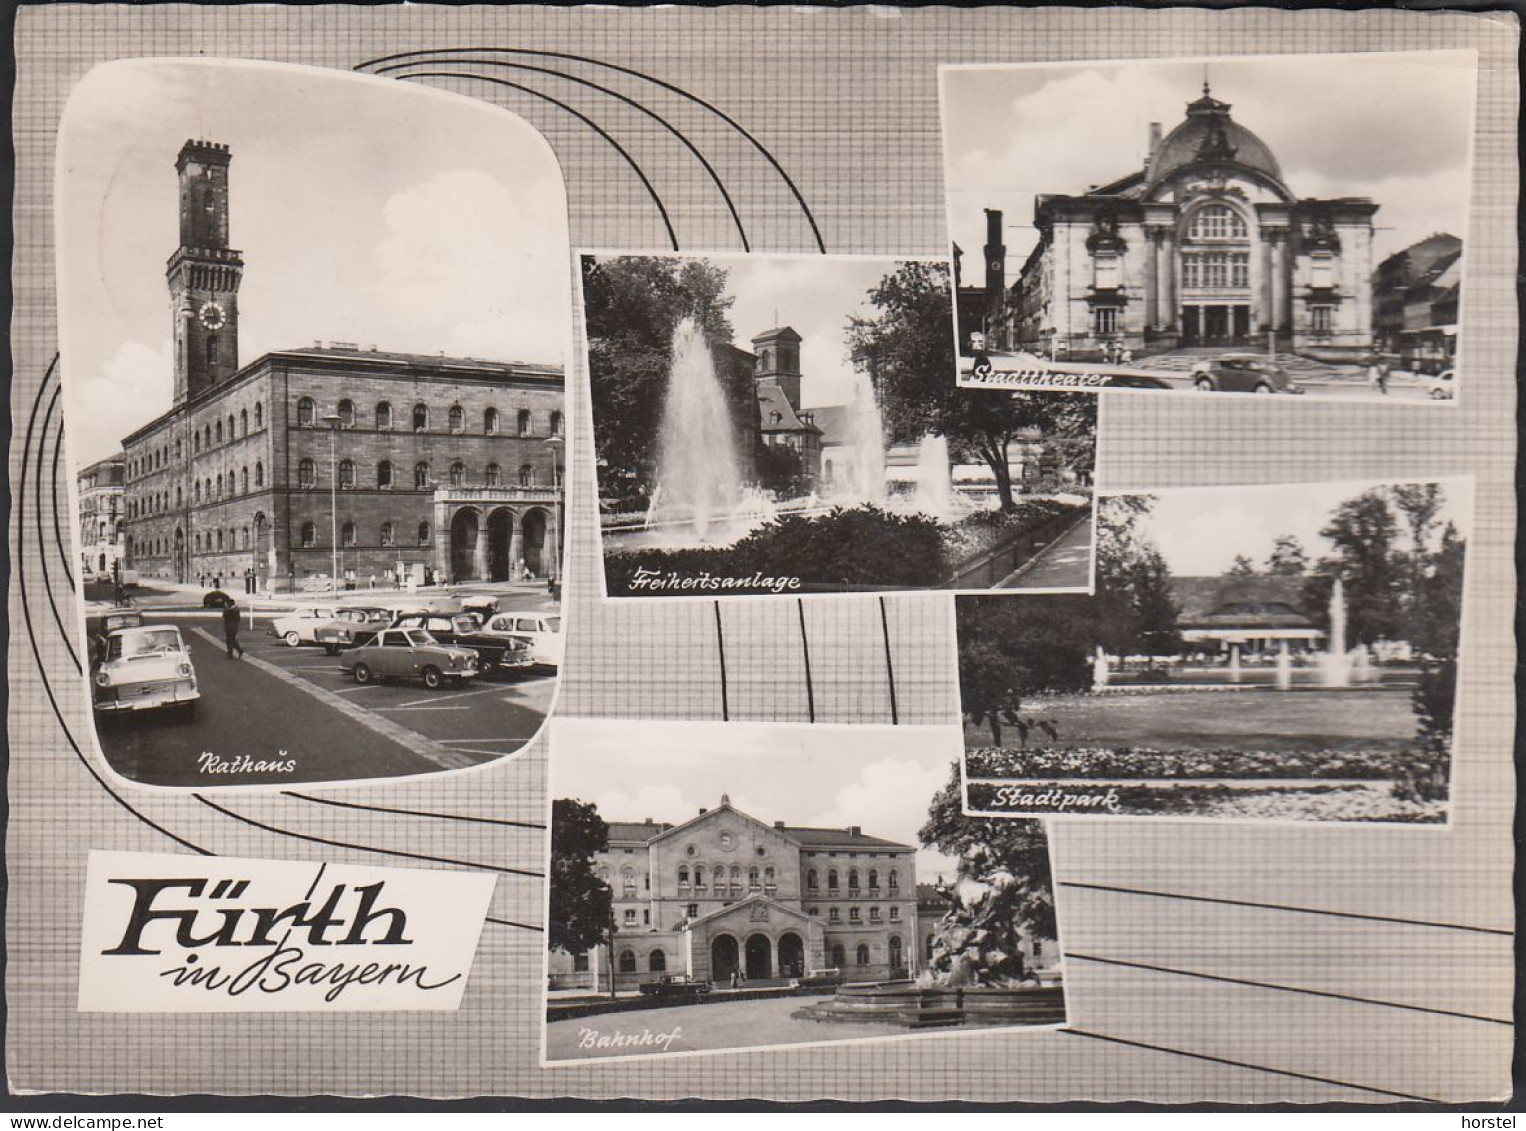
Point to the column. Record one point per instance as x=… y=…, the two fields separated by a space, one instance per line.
x=1152 y=269
x=1280 y=319
x=516 y=545
x=1165 y=285
x=479 y=551
x=1266 y=314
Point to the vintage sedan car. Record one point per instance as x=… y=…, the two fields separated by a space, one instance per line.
x=1439 y=387
x=142 y=668
x=216 y=599
x=494 y=652
x=99 y=627
x=818 y=979
x=301 y=624
x=541 y=631
x=1242 y=373
x=351 y=627
x=409 y=653
x=675 y=985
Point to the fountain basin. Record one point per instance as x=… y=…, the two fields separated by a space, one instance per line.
x=910 y=1006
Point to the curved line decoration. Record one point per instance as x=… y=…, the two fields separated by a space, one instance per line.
x=587 y=121
x=42 y=542
x=411 y=812
x=678 y=90
x=652 y=114
x=58 y=511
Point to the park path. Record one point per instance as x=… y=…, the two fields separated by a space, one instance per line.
x=1063 y=564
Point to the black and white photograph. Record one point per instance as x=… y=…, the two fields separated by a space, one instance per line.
x=723 y=887
x=785 y=425
x=1259 y=653
x=313 y=337
x=1289 y=225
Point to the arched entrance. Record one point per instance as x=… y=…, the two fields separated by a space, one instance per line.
x=533 y=535
x=791 y=955
x=464 y=532
x=500 y=537
x=759 y=958
x=179 y=556
x=723 y=958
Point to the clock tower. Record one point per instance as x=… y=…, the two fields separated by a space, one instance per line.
x=204 y=273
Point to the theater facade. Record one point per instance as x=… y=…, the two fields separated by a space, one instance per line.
x=1207 y=245
x=389 y=465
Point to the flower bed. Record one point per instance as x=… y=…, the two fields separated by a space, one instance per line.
x=1142 y=762
x=1367 y=803
x=983 y=531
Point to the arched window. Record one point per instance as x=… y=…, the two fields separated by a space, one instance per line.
x=306 y=475
x=305 y=412
x=895 y=880
x=768 y=877
x=683 y=875
x=490 y=475
x=524 y=422
x=810 y=881
x=1217 y=222
x=874 y=879
x=832 y=879
x=347 y=534
x=490 y=421
x=197 y=542
x=208 y=484
x=752 y=878
x=177 y=451
x=346 y=474
x=347 y=413
x=243 y=422
x=457 y=418
x=259 y=473
x=196 y=490
x=852 y=879
x=863 y=954
x=627 y=961
x=384 y=474
x=628 y=881
x=179 y=499
x=457 y=474
x=211 y=349
x=384 y=416
x=206 y=434
x=243 y=538
x=220 y=484
x=219 y=539
x=243 y=481
x=526 y=475
x=699 y=877
x=196 y=441
x=218 y=432
x=895 y=952
x=423 y=534
x=656 y=962
x=309 y=535
x=839 y=956
x=259 y=416
x=556 y=424
x=421 y=476
x=387 y=538
x=420 y=417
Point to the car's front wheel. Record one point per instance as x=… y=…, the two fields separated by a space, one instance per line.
x=1203 y=385
x=432 y=677
x=292 y=639
x=1263 y=388
x=362 y=673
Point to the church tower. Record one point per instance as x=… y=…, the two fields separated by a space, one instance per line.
x=204 y=273
x=778 y=353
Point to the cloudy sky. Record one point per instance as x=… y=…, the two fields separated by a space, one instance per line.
x=1200 y=531
x=1395 y=127
x=368 y=211
x=816 y=296
x=880 y=778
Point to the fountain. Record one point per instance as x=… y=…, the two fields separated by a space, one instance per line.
x=1335 y=664
x=865 y=482
x=1284 y=667
x=699 y=477
x=1100 y=674
x=935 y=486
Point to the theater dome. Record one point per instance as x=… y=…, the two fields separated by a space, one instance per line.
x=1210 y=134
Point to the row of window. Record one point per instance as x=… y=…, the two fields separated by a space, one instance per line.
x=346 y=416
x=893 y=879
x=1216 y=269
x=423 y=480
x=386 y=535
x=240 y=538
x=208 y=437
x=208 y=490
x=657 y=961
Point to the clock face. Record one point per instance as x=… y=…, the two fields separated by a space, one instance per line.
x=212 y=316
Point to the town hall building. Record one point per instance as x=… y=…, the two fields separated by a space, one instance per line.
x=400 y=465
x=1207 y=245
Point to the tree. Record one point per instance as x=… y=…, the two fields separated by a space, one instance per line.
x=1362 y=531
x=580 y=902
x=908 y=352
x=1287 y=558
x=1014 y=647
x=632 y=305
x=1419 y=503
x=1017 y=844
x=1435 y=620
x=1135 y=608
x=1243 y=567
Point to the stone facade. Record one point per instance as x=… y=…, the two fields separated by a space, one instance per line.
x=382 y=464
x=724 y=893
x=100 y=516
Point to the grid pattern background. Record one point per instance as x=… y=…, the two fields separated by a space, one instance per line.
x=1204 y=962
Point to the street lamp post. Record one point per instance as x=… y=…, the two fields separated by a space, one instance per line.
x=332 y=420
x=555 y=444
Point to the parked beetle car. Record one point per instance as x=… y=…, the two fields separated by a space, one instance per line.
x=409 y=653
x=298 y=626
x=1242 y=373
x=216 y=599
x=144 y=667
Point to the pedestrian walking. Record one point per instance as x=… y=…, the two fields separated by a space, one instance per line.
x=1383 y=373
x=231 y=618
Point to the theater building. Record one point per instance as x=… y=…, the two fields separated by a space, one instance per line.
x=400 y=465
x=724 y=893
x=1206 y=245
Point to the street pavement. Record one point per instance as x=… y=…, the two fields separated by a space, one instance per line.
x=296 y=705
x=1063 y=564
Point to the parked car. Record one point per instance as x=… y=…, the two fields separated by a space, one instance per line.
x=298 y=626
x=351 y=627
x=818 y=979
x=144 y=667
x=541 y=631
x=409 y=653
x=100 y=627
x=675 y=985
x=1440 y=386
x=1242 y=373
x=217 y=599
x=494 y=651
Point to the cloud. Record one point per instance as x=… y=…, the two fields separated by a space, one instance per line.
x=660 y=802
x=135 y=384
